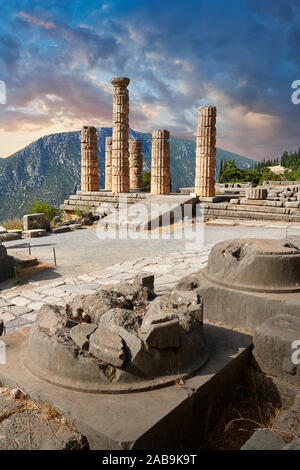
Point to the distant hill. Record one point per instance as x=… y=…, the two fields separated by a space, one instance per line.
x=49 y=168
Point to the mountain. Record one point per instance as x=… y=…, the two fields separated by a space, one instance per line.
x=49 y=168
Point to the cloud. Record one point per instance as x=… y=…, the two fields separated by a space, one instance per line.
x=37 y=21
x=240 y=55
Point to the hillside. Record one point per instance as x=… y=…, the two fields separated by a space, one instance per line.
x=49 y=168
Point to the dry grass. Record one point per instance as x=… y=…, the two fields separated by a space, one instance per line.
x=25 y=272
x=247 y=412
x=12 y=224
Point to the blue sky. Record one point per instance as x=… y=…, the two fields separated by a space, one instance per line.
x=56 y=58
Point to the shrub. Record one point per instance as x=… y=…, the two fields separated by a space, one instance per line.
x=13 y=224
x=146 y=180
x=78 y=213
x=37 y=207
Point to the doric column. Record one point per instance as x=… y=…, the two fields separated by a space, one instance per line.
x=160 y=162
x=108 y=158
x=120 y=136
x=136 y=163
x=89 y=161
x=206 y=151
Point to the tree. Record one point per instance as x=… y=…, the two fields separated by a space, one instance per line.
x=146 y=180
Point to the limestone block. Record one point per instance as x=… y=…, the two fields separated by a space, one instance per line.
x=50 y=318
x=7 y=237
x=34 y=233
x=81 y=333
x=163 y=335
x=107 y=346
x=63 y=229
x=273 y=347
x=256 y=193
x=36 y=221
x=263 y=440
x=145 y=280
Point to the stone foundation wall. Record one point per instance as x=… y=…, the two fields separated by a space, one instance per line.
x=253 y=210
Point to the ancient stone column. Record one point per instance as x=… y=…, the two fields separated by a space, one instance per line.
x=120 y=136
x=89 y=161
x=136 y=163
x=160 y=162
x=206 y=151
x=108 y=158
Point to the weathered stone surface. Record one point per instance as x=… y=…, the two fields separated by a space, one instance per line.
x=273 y=350
x=127 y=319
x=51 y=318
x=163 y=334
x=206 y=152
x=34 y=233
x=188 y=283
x=8 y=237
x=35 y=221
x=107 y=346
x=135 y=163
x=95 y=305
x=120 y=136
x=63 y=229
x=6 y=264
x=145 y=280
x=263 y=440
x=160 y=162
x=108 y=162
x=294 y=445
x=89 y=160
x=81 y=333
x=256 y=193
x=29 y=430
x=187 y=305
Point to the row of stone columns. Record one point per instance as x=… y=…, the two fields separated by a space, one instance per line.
x=124 y=161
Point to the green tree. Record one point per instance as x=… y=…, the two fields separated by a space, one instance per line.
x=146 y=180
x=36 y=207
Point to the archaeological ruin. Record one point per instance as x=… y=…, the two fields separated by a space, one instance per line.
x=138 y=365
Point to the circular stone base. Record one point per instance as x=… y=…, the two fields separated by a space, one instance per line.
x=117 y=387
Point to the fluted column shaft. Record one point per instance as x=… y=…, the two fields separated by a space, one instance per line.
x=160 y=162
x=120 y=136
x=89 y=160
x=206 y=152
x=108 y=162
x=136 y=163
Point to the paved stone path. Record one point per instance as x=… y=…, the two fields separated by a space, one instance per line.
x=19 y=305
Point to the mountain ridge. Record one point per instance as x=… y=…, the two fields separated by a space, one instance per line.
x=49 y=168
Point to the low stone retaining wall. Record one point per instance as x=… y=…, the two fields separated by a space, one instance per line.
x=253 y=210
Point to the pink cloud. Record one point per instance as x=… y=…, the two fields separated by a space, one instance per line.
x=38 y=22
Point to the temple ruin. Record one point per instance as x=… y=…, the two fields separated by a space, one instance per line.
x=89 y=160
x=206 y=152
x=120 y=136
x=108 y=162
x=160 y=162
x=136 y=164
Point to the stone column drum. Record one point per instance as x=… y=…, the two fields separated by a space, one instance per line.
x=206 y=152
x=136 y=163
x=108 y=162
x=160 y=162
x=120 y=136
x=89 y=160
